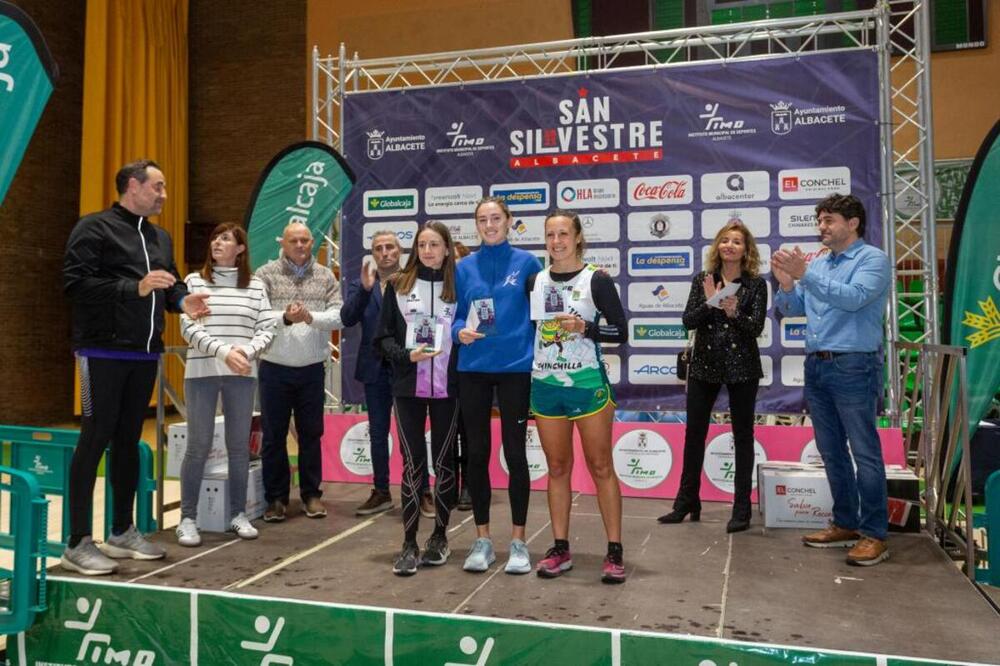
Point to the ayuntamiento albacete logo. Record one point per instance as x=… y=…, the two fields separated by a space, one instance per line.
x=986 y=325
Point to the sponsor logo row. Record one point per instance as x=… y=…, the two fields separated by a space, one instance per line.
x=649 y=227
x=661 y=369
x=669 y=190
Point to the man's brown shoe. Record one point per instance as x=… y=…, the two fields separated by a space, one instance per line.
x=427 y=504
x=832 y=537
x=377 y=502
x=275 y=512
x=868 y=552
x=314 y=508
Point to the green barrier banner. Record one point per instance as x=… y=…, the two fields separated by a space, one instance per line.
x=27 y=75
x=306 y=182
x=972 y=293
x=89 y=622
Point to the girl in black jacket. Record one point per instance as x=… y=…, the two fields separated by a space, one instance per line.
x=725 y=352
x=414 y=334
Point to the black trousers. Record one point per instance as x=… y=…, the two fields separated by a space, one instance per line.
x=411 y=414
x=114 y=395
x=700 y=400
x=475 y=397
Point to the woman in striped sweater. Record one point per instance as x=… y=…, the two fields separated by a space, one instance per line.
x=222 y=359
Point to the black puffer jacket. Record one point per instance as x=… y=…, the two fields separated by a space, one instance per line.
x=107 y=254
x=725 y=350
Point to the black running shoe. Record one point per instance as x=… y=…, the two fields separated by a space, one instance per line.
x=406 y=563
x=436 y=551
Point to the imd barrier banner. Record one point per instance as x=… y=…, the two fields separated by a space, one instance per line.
x=137 y=625
x=656 y=162
x=27 y=75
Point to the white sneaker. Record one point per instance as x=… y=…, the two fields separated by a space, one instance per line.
x=242 y=527
x=187 y=533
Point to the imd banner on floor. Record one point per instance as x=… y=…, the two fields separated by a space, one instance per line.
x=27 y=76
x=656 y=162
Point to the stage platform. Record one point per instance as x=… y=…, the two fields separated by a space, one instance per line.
x=760 y=586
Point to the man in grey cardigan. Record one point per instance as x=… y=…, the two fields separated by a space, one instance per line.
x=305 y=297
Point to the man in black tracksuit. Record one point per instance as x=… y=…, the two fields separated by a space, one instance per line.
x=119 y=275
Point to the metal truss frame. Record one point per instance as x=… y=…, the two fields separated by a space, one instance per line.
x=905 y=106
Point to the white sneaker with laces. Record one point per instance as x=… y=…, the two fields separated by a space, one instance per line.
x=242 y=527
x=187 y=533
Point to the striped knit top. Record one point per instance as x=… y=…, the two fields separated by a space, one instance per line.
x=240 y=318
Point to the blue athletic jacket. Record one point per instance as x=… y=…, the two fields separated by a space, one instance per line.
x=498 y=272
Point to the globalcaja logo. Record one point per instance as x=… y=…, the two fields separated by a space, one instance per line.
x=390 y=203
x=379 y=144
x=522 y=196
x=720 y=125
x=785 y=117
x=657 y=332
x=586 y=135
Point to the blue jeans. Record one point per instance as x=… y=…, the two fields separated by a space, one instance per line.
x=842 y=393
x=378 y=396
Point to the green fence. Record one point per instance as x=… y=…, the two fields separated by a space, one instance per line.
x=47 y=452
x=113 y=623
x=23 y=585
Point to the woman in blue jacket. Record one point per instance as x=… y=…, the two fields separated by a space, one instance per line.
x=495 y=331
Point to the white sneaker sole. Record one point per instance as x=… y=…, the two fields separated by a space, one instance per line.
x=72 y=566
x=118 y=553
x=476 y=567
x=849 y=543
x=869 y=563
x=517 y=569
x=189 y=543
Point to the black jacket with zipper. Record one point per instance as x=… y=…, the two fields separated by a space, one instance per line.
x=107 y=254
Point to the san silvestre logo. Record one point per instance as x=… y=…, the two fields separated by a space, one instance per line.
x=586 y=135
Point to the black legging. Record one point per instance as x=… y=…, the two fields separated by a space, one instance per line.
x=114 y=395
x=475 y=397
x=411 y=414
x=700 y=400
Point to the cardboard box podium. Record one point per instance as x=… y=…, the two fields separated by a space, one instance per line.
x=798 y=495
x=217 y=460
x=213 y=499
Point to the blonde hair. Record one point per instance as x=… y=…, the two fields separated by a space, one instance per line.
x=749 y=263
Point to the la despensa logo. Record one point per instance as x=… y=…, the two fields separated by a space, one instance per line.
x=986 y=325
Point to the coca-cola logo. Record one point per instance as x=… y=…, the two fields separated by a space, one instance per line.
x=664 y=191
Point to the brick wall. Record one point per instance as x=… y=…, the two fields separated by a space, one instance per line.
x=247 y=98
x=35 y=219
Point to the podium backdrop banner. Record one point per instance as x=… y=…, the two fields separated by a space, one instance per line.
x=655 y=161
x=647 y=456
x=27 y=75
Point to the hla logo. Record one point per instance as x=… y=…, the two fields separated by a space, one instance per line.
x=6 y=79
x=95 y=642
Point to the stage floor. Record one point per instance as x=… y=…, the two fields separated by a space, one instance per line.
x=693 y=578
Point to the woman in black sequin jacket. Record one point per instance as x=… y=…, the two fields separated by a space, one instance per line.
x=725 y=352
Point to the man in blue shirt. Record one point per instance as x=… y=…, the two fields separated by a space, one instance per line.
x=843 y=295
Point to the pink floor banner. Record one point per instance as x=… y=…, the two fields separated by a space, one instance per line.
x=647 y=456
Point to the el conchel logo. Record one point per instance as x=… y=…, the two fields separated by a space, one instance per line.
x=586 y=134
